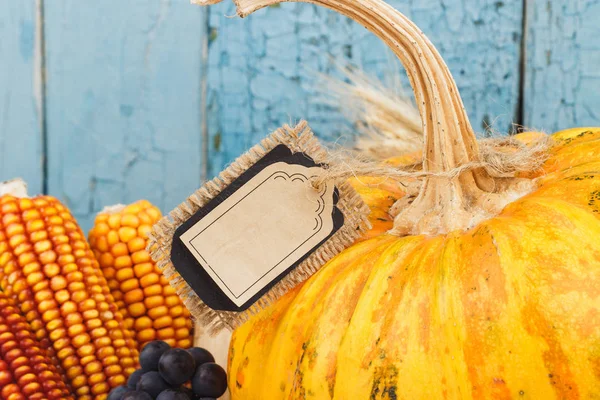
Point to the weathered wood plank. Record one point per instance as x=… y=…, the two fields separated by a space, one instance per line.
x=20 y=94
x=261 y=69
x=124 y=102
x=563 y=73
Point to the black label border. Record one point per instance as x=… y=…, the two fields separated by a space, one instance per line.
x=194 y=273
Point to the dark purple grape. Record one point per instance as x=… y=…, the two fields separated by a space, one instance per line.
x=176 y=366
x=201 y=356
x=133 y=395
x=151 y=354
x=117 y=393
x=210 y=380
x=152 y=383
x=134 y=378
x=173 y=394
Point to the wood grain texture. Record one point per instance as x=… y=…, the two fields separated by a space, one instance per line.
x=124 y=102
x=20 y=94
x=261 y=70
x=563 y=64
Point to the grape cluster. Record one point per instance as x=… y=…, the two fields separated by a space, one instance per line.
x=166 y=374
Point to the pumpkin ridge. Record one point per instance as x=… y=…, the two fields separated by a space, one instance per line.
x=562 y=205
x=525 y=349
x=545 y=273
x=374 y=308
x=483 y=291
x=586 y=168
x=325 y=325
x=269 y=352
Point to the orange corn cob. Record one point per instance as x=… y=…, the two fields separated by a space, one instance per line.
x=49 y=270
x=26 y=371
x=149 y=304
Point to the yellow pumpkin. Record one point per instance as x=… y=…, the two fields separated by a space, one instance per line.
x=380 y=195
x=485 y=287
x=507 y=309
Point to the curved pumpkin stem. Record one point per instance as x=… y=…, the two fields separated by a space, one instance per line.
x=442 y=204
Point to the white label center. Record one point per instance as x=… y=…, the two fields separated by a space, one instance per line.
x=262 y=229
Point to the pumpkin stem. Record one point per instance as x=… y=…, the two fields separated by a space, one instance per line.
x=442 y=204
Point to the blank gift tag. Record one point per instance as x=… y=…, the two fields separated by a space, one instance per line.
x=261 y=230
x=245 y=238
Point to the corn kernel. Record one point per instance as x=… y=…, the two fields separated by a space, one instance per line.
x=176 y=311
x=182 y=333
x=158 y=312
x=179 y=323
x=144 y=230
x=164 y=322
x=114 y=221
x=111 y=369
x=51 y=270
x=57 y=334
x=169 y=290
x=124 y=274
x=98 y=384
x=42 y=246
x=130 y=220
x=98 y=332
x=134 y=296
x=78 y=295
x=145 y=218
x=78 y=380
x=136 y=309
x=149 y=279
x=123 y=262
x=31 y=268
x=136 y=244
x=154 y=301
x=141 y=256
x=153 y=213
x=101 y=244
x=48 y=257
x=171 y=301
x=85 y=350
x=112 y=238
x=75 y=330
x=104 y=341
x=146 y=335
x=106 y=260
x=100 y=228
x=129 y=284
x=143 y=269
x=142 y=323
x=117 y=380
x=75 y=276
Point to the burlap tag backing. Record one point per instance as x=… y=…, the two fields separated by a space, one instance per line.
x=299 y=139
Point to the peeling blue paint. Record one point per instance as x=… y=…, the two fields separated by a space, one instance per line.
x=261 y=69
x=563 y=77
x=20 y=122
x=124 y=102
x=124 y=83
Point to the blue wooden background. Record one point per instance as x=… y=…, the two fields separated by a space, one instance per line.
x=111 y=101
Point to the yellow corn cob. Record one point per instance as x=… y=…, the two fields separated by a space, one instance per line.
x=26 y=371
x=149 y=304
x=49 y=270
